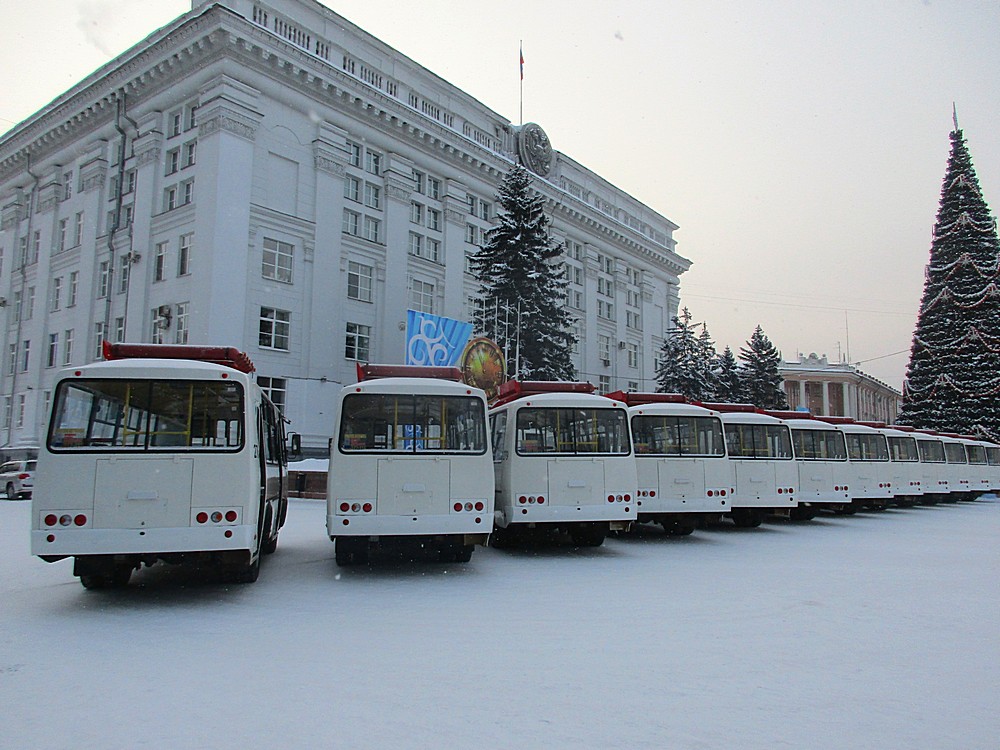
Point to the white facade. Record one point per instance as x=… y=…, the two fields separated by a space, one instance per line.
x=838 y=390
x=291 y=185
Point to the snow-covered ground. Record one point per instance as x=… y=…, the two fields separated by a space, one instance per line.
x=877 y=631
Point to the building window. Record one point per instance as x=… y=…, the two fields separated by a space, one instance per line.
x=173 y=161
x=433 y=219
x=416 y=244
x=604 y=383
x=373 y=162
x=181 y=323
x=125 y=265
x=103 y=278
x=99 y=335
x=190 y=152
x=11 y=358
x=25 y=355
x=484 y=210
x=68 y=347
x=359 y=282
x=21 y=399
x=174 y=122
x=158 y=325
x=352 y=189
x=416 y=213
x=56 y=293
x=30 y=306
x=274 y=328
x=351 y=223
x=633 y=354
x=52 y=356
x=62 y=235
x=187 y=192
x=74 y=285
x=159 y=261
x=78 y=230
x=433 y=188
x=67 y=186
x=372 y=229
x=119 y=329
x=184 y=254
x=275 y=389
x=432 y=249
x=18 y=305
x=418 y=181
x=373 y=196
x=277 y=260
x=472 y=234
x=604 y=349
x=421 y=296
x=354 y=154
x=170 y=198
x=358 y=342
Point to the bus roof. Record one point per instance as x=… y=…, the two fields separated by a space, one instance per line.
x=227 y=356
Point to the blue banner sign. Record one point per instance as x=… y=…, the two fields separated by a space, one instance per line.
x=433 y=340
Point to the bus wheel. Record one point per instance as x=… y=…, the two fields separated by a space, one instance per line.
x=269 y=545
x=747 y=518
x=247 y=574
x=351 y=550
x=678 y=528
x=455 y=552
x=588 y=536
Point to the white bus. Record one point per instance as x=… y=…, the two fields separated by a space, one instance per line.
x=956 y=468
x=906 y=474
x=409 y=462
x=979 y=470
x=993 y=471
x=933 y=464
x=685 y=478
x=868 y=478
x=821 y=457
x=563 y=460
x=168 y=453
x=760 y=449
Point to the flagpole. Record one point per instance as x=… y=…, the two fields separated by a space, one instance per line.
x=521 y=102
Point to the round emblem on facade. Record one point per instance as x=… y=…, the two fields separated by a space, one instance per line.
x=534 y=149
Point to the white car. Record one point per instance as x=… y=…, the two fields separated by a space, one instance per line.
x=17 y=478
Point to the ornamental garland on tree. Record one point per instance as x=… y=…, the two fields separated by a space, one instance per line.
x=953 y=378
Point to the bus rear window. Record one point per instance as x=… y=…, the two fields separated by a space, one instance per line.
x=573 y=431
x=401 y=423
x=766 y=441
x=141 y=415
x=664 y=435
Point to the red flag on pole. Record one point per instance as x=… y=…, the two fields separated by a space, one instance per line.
x=522 y=62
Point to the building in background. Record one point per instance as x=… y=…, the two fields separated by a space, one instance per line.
x=269 y=176
x=838 y=389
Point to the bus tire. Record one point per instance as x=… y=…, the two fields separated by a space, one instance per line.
x=588 y=536
x=351 y=550
x=248 y=574
x=677 y=528
x=269 y=545
x=747 y=518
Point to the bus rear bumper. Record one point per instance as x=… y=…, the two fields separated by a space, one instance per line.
x=59 y=543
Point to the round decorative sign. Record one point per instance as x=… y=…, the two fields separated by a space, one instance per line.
x=534 y=148
x=483 y=366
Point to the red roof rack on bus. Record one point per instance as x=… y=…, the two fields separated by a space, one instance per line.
x=835 y=420
x=373 y=372
x=786 y=413
x=904 y=428
x=228 y=356
x=878 y=425
x=515 y=389
x=633 y=398
x=728 y=408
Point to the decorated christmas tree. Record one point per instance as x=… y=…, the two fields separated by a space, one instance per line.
x=761 y=381
x=523 y=287
x=953 y=378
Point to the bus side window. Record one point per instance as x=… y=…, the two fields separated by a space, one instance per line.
x=498 y=432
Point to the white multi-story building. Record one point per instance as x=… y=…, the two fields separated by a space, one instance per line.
x=269 y=176
x=838 y=389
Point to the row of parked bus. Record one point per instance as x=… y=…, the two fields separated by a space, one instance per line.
x=174 y=453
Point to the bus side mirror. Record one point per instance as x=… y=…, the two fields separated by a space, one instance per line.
x=295 y=444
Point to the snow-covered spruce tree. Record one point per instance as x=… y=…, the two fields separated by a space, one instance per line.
x=685 y=365
x=953 y=378
x=522 y=286
x=759 y=377
x=729 y=387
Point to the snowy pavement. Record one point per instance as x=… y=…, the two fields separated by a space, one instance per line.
x=874 y=631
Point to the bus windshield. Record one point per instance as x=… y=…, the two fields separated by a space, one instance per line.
x=819 y=445
x=657 y=435
x=865 y=447
x=147 y=414
x=758 y=441
x=573 y=431
x=903 y=449
x=403 y=423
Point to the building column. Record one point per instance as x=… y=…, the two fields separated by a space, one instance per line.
x=391 y=346
x=455 y=206
x=803 y=395
x=826 y=397
x=227 y=127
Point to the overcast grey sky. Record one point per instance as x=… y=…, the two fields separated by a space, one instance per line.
x=799 y=145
